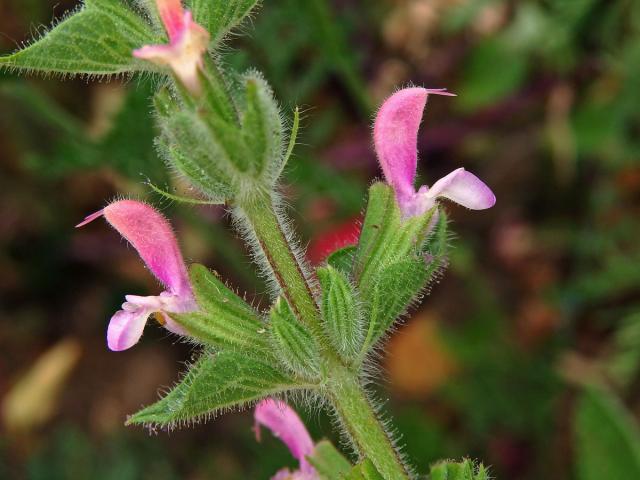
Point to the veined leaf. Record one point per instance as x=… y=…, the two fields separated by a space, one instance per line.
x=342 y=259
x=215 y=383
x=396 y=286
x=328 y=461
x=341 y=312
x=220 y=16
x=225 y=320
x=607 y=438
x=262 y=127
x=295 y=346
x=390 y=287
x=97 y=40
x=386 y=235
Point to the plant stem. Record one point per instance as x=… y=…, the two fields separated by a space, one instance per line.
x=285 y=264
x=363 y=425
x=344 y=390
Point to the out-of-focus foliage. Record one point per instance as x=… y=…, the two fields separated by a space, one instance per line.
x=542 y=295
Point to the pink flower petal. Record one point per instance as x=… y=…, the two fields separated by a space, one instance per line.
x=125 y=329
x=395 y=135
x=285 y=424
x=465 y=189
x=172 y=16
x=188 y=43
x=151 y=235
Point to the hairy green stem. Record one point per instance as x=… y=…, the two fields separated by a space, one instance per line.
x=287 y=268
x=363 y=426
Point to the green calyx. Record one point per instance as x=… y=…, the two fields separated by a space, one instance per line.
x=229 y=146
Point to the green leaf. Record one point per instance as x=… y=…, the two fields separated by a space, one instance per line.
x=190 y=145
x=328 y=461
x=342 y=259
x=386 y=236
x=225 y=320
x=341 y=313
x=607 y=438
x=262 y=127
x=220 y=16
x=396 y=287
x=97 y=40
x=624 y=362
x=465 y=470
x=396 y=259
x=214 y=384
x=364 y=471
x=294 y=345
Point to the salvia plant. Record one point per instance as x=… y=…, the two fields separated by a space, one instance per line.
x=227 y=136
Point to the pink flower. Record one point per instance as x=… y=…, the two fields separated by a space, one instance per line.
x=150 y=234
x=395 y=136
x=188 y=43
x=285 y=424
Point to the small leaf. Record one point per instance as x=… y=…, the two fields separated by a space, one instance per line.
x=214 y=384
x=342 y=259
x=607 y=438
x=98 y=40
x=295 y=346
x=193 y=148
x=386 y=235
x=341 y=313
x=465 y=470
x=220 y=16
x=328 y=461
x=224 y=320
x=364 y=471
x=396 y=286
x=262 y=127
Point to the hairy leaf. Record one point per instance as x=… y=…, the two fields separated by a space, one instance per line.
x=341 y=312
x=464 y=470
x=215 y=383
x=262 y=127
x=190 y=146
x=220 y=16
x=328 y=461
x=396 y=286
x=607 y=438
x=225 y=320
x=295 y=346
x=386 y=235
x=342 y=259
x=97 y=39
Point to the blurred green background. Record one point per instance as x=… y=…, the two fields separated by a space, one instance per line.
x=525 y=356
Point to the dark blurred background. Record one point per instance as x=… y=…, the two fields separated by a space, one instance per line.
x=540 y=303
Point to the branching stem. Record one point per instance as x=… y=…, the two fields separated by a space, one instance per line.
x=343 y=390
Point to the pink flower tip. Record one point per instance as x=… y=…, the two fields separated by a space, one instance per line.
x=285 y=424
x=90 y=218
x=395 y=136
